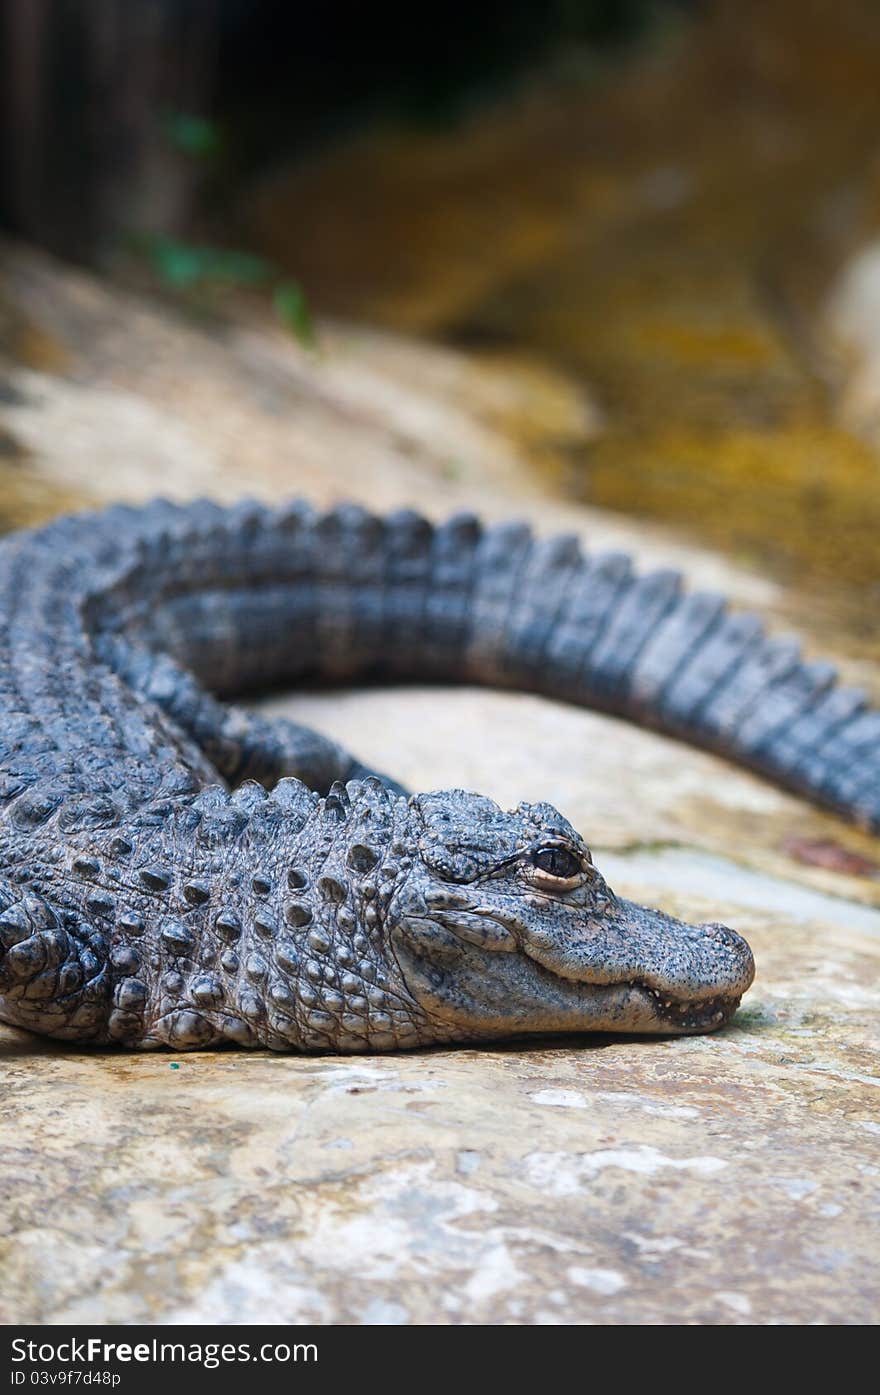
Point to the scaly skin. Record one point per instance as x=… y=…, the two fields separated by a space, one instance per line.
x=178 y=872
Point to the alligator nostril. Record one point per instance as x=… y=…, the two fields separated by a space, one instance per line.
x=737 y=948
x=716 y=931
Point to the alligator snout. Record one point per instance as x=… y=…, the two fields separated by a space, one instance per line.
x=690 y=977
x=691 y=961
x=734 y=963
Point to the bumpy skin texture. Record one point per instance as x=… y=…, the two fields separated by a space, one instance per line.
x=178 y=872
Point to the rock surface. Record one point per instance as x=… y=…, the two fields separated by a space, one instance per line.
x=722 y=1179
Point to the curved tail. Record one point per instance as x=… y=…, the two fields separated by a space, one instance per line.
x=594 y=631
x=251 y=597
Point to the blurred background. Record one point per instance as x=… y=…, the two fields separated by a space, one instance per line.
x=654 y=223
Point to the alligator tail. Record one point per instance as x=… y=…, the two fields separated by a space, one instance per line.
x=183 y=602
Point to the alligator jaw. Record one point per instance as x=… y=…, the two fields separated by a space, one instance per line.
x=629 y=970
x=682 y=1017
x=687 y=978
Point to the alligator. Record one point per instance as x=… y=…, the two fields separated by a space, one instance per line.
x=179 y=871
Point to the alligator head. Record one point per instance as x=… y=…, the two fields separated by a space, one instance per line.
x=504 y=926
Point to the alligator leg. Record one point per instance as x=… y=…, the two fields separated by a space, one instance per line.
x=240 y=744
x=266 y=749
x=48 y=975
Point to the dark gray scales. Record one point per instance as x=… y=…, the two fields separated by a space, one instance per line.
x=178 y=871
x=781 y=703
x=350 y=556
x=643 y=606
x=833 y=751
x=865 y=798
x=863 y=780
x=405 y=586
x=844 y=758
x=447 y=607
x=731 y=702
x=672 y=642
x=594 y=593
x=554 y=567
x=798 y=746
x=859 y=788
x=708 y=668
x=502 y=556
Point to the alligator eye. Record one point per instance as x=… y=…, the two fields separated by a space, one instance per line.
x=556 y=862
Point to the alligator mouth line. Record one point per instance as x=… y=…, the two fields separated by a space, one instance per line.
x=678 y=1014
x=703 y=1014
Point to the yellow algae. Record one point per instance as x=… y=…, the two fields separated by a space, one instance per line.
x=804 y=494
x=27 y=343
x=697 y=344
x=26 y=500
x=669 y=235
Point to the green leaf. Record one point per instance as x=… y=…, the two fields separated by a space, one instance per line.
x=193 y=135
x=176 y=263
x=183 y=265
x=237 y=268
x=292 y=310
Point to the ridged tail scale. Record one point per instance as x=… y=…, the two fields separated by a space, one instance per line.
x=188 y=601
